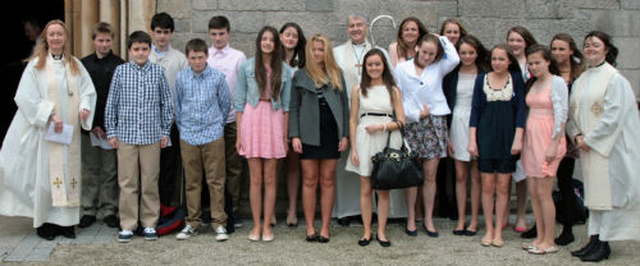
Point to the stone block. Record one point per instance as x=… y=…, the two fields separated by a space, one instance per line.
x=319 y=5
x=241 y=21
x=630 y=4
x=447 y=9
x=182 y=25
x=628 y=48
x=492 y=8
x=178 y=9
x=597 y=4
x=271 y=5
x=203 y=5
x=616 y=22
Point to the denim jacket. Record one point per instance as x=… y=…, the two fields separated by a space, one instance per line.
x=247 y=88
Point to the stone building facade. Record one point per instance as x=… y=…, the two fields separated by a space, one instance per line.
x=487 y=19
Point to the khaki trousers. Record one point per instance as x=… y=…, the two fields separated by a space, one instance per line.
x=138 y=171
x=211 y=158
x=99 y=179
x=233 y=165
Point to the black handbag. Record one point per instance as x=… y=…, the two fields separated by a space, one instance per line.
x=395 y=169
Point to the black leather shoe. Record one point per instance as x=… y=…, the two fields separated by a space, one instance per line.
x=383 y=243
x=564 y=239
x=599 y=252
x=531 y=233
x=46 y=231
x=459 y=232
x=66 y=231
x=430 y=233
x=411 y=233
x=364 y=241
x=86 y=221
x=586 y=249
x=111 y=221
x=470 y=233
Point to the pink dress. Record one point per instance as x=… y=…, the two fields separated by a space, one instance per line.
x=537 y=137
x=262 y=129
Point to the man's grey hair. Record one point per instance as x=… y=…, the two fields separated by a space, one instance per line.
x=359 y=15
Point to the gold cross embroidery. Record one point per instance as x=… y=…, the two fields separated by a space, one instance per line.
x=74 y=182
x=597 y=109
x=57 y=182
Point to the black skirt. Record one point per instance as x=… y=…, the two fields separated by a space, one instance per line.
x=329 y=138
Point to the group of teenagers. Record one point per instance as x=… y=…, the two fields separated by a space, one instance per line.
x=520 y=109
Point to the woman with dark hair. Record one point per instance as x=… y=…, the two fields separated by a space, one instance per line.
x=544 y=143
x=604 y=126
x=319 y=130
x=376 y=112
x=571 y=64
x=495 y=135
x=262 y=110
x=293 y=43
x=519 y=39
x=404 y=48
x=458 y=89
x=453 y=29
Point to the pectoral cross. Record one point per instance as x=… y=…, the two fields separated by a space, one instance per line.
x=74 y=182
x=57 y=182
x=359 y=66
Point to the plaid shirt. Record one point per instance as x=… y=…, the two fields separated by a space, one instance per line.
x=139 y=108
x=202 y=104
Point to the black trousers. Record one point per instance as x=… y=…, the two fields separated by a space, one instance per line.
x=565 y=184
x=169 y=161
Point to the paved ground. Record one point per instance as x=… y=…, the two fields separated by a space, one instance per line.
x=96 y=245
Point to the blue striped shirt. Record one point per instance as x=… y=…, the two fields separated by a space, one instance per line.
x=202 y=103
x=139 y=108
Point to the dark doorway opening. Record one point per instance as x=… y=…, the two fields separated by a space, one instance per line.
x=17 y=47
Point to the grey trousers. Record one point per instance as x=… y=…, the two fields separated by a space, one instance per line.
x=99 y=179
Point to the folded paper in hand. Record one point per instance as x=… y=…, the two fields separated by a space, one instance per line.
x=64 y=137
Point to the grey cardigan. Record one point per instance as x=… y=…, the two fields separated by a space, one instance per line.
x=304 y=109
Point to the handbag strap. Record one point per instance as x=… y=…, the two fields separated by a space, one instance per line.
x=401 y=128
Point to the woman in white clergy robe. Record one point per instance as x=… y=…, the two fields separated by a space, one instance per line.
x=605 y=126
x=39 y=178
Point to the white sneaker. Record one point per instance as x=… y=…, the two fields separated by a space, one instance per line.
x=187 y=232
x=221 y=233
x=125 y=236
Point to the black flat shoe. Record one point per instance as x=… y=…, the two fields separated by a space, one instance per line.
x=564 y=239
x=322 y=239
x=364 y=241
x=459 y=232
x=531 y=233
x=430 y=233
x=86 y=221
x=383 y=243
x=312 y=238
x=111 y=221
x=468 y=232
x=411 y=233
x=46 y=231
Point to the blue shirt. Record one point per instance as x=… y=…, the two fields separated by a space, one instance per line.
x=138 y=108
x=202 y=103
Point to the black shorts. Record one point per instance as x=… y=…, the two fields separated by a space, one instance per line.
x=501 y=166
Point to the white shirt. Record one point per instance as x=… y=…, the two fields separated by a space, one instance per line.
x=426 y=89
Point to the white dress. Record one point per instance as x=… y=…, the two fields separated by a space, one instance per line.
x=459 y=131
x=25 y=188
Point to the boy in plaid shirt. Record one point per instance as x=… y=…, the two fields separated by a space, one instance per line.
x=138 y=119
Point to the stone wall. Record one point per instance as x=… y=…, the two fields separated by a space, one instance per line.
x=487 y=19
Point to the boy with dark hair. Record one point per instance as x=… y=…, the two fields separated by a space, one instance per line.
x=202 y=104
x=173 y=61
x=99 y=168
x=228 y=60
x=138 y=119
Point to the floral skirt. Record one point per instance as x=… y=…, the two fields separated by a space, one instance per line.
x=428 y=137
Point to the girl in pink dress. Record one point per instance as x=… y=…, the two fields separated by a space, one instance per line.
x=262 y=106
x=544 y=143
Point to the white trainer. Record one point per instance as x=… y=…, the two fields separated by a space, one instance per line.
x=221 y=233
x=187 y=232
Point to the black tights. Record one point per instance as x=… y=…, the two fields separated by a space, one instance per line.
x=565 y=184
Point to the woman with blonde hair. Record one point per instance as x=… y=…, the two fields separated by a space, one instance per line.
x=41 y=178
x=319 y=100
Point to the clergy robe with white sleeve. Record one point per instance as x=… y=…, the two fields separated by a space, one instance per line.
x=25 y=181
x=603 y=109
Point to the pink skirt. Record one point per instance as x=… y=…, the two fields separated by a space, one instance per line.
x=262 y=132
x=537 y=138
